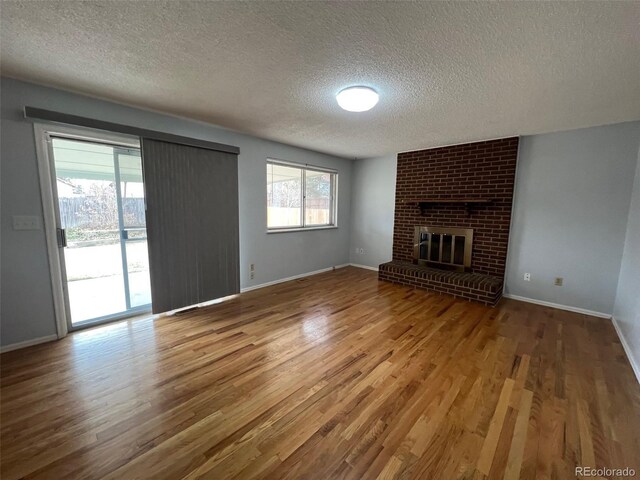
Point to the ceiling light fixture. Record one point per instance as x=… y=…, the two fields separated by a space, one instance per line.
x=357 y=99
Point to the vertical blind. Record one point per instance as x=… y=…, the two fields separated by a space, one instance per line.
x=192 y=223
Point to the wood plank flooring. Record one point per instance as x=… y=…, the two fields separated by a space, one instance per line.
x=332 y=376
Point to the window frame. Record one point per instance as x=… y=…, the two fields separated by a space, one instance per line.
x=333 y=208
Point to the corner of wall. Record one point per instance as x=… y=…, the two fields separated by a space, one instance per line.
x=626 y=310
x=372 y=211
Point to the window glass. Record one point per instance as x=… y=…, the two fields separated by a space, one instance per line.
x=299 y=197
x=284 y=196
x=318 y=193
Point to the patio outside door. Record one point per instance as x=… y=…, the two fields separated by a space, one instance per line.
x=102 y=233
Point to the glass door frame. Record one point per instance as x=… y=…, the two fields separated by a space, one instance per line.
x=123 y=234
x=44 y=133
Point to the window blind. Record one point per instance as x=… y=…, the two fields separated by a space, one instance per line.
x=192 y=223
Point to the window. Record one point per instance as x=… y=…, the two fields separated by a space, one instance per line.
x=300 y=196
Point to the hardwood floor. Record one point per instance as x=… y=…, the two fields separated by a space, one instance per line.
x=333 y=376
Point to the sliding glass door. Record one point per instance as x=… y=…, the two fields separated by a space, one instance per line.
x=101 y=229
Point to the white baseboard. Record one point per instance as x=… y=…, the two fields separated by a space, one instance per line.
x=627 y=349
x=28 y=343
x=295 y=277
x=366 y=267
x=568 y=308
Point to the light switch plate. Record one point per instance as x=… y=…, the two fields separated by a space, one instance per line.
x=26 y=222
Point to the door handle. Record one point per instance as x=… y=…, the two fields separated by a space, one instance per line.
x=61 y=234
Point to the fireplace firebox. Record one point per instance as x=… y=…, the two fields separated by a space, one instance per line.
x=446 y=248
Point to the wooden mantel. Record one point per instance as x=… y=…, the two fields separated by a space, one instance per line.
x=468 y=202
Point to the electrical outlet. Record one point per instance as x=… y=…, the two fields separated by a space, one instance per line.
x=558 y=281
x=527 y=277
x=26 y=222
x=252 y=269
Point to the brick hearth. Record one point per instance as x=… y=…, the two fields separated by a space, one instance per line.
x=485 y=289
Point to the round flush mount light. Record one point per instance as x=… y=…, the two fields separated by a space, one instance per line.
x=357 y=99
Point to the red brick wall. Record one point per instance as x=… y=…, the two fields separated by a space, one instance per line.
x=480 y=170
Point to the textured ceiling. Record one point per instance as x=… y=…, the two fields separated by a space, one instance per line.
x=446 y=72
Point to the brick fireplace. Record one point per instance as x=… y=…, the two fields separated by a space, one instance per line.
x=466 y=186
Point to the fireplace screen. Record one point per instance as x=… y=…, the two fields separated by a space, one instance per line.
x=448 y=248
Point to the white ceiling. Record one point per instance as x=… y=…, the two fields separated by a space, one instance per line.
x=446 y=72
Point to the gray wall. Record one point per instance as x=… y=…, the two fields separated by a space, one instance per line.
x=626 y=310
x=27 y=306
x=569 y=220
x=372 y=208
x=570 y=215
